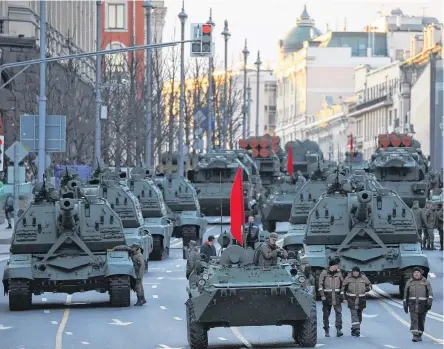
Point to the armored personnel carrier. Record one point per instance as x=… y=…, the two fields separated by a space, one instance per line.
x=400 y=165
x=232 y=291
x=127 y=207
x=213 y=178
x=182 y=205
x=65 y=246
x=354 y=160
x=154 y=210
x=373 y=230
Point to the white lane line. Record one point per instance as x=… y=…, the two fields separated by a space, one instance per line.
x=160 y=278
x=46 y=311
x=153 y=286
x=177 y=318
x=59 y=336
x=240 y=337
x=155 y=296
x=320 y=345
x=68 y=333
x=432 y=275
x=178 y=266
x=389 y=346
x=85 y=343
x=168 y=271
x=162 y=307
x=44 y=299
x=54 y=322
x=221 y=338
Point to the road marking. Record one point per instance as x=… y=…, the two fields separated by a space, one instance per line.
x=163 y=346
x=154 y=286
x=5 y=327
x=68 y=333
x=160 y=278
x=432 y=275
x=401 y=320
x=86 y=343
x=177 y=318
x=119 y=323
x=178 y=266
x=371 y=316
x=155 y=296
x=240 y=337
x=168 y=271
x=162 y=307
x=221 y=338
x=54 y=322
x=389 y=346
x=59 y=335
x=320 y=345
x=46 y=311
x=44 y=299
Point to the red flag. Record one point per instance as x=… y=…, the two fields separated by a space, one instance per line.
x=237 y=210
x=290 y=161
x=351 y=142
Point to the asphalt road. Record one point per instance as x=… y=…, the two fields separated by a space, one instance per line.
x=85 y=320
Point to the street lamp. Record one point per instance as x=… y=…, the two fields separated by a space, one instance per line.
x=248 y=109
x=183 y=18
x=148 y=151
x=227 y=36
x=258 y=65
x=210 y=92
x=244 y=109
x=98 y=130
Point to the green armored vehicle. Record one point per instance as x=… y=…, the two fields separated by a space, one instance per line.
x=354 y=160
x=374 y=230
x=65 y=246
x=154 y=210
x=213 y=179
x=232 y=291
x=126 y=205
x=400 y=165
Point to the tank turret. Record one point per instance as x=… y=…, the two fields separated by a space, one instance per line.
x=67 y=219
x=364 y=199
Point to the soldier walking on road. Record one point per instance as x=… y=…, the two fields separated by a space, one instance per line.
x=417 y=213
x=330 y=285
x=418 y=298
x=9 y=209
x=429 y=219
x=193 y=257
x=354 y=288
x=439 y=224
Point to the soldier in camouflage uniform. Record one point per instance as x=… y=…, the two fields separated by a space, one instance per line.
x=439 y=224
x=138 y=260
x=269 y=252
x=418 y=298
x=429 y=218
x=193 y=257
x=417 y=212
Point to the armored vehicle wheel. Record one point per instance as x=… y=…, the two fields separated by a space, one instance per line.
x=120 y=291
x=189 y=233
x=270 y=226
x=158 y=252
x=20 y=296
x=197 y=334
x=305 y=332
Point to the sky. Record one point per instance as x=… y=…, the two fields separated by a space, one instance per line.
x=264 y=22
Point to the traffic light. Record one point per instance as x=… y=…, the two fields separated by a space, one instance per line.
x=203 y=36
x=2 y=149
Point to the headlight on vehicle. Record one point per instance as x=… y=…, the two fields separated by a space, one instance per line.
x=205 y=276
x=301 y=279
x=201 y=282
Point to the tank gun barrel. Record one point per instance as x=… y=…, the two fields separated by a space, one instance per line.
x=66 y=215
x=364 y=199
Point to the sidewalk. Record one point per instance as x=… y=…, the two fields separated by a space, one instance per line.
x=5 y=236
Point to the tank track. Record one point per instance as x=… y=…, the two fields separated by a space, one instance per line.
x=189 y=233
x=196 y=333
x=20 y=296
x=158 y=252
x=120 y=291
x=305 y=333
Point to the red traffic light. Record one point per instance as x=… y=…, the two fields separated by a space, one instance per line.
x=206 y=29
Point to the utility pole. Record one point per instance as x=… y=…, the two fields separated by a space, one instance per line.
x=226 y=35
x=210 y=93
x=244 y=108
x=183 y=18
x=42 y=97
x=98 y=132
x=258 y=65
x=148 y=151
x=248 y=109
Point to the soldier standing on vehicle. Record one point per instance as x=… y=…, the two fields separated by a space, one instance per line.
x=269 y=252
x=418 y=298
x=439 y=224
x=208 y=249
x=417 y=213
x=193 y=257
x=429 y=219
x=330 y=285
x=9 y=209
x=251 y=231
x=355 y=285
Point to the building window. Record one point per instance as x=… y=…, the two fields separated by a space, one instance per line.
x=116 y=16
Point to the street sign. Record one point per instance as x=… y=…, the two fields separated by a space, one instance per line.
x=22 y=152
x=55 y=133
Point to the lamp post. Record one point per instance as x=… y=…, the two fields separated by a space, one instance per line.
x=244 y=109
x=148 y=151
x=258 y=65
x=183 y=18
x=42 y=97
x=210 y=93
x=227 y=36
x=98 y=131
x=248 y=109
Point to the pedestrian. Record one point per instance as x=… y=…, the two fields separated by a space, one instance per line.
x=439 y=223
x=355 y=285
x=8 y=207
x=193 y=257
x=251 y=231
x=208 y=249
x=417 y=213
x=418 y=298
x=429 y=219
x=269 y=252
x=330 y=285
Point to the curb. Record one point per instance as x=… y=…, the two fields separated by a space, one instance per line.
x=5 y=241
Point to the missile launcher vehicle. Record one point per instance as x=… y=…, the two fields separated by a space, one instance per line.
x=233 y=290
x=399 y=165
x=306 y=157
x=154 y=210
x=66 y=246
x=374 y=230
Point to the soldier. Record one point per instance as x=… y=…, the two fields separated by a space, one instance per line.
x=252 y=232
x=330 y=284
x=439 y=224
x=417 y=212
x=354 y=288
x=137 y=258
x=269 y=252
x=208 y=248
x=418 y=298
x=429 y=217
x=193 y=257
x=300 y=178
x=8 y=207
